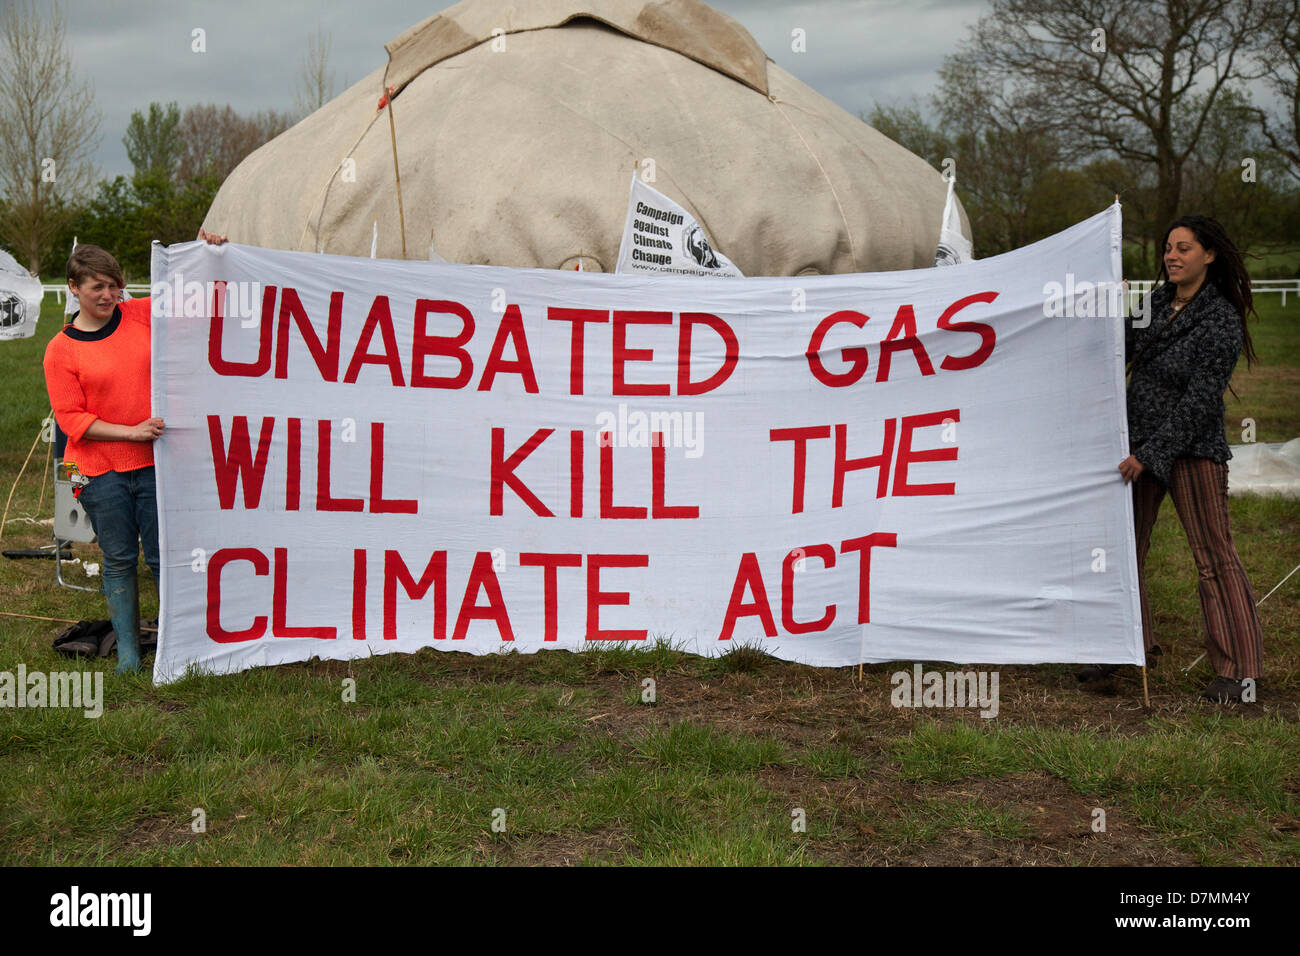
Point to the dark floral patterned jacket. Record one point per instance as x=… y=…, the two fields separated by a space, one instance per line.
x=1175 y=392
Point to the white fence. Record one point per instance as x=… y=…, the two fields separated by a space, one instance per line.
x=1141 y=287
x=136 y=289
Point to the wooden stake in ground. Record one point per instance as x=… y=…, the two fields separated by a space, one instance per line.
x=862 y=650
x=45 y=474
x=59 y=620
x=1146 y=694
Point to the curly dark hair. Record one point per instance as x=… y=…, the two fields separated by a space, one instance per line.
x=1227 y=271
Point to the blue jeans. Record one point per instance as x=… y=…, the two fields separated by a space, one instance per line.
x=123 y=510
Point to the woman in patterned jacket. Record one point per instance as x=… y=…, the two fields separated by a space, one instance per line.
x=1181 y=362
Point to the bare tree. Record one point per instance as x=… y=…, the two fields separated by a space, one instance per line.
x=1281 y=61
x=1007 y=159
x=1132 y=79
x=1012 y=175
x=315 y=79
x=1231 y=176
x=216 y=138
x=48 y=129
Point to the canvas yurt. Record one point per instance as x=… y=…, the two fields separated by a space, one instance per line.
x=518 y=127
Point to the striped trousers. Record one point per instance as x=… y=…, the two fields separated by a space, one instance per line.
x=1199 y=487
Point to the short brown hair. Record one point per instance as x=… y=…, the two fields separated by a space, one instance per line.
x=87 y=261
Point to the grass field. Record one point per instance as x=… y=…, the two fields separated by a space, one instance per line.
x=560 y=752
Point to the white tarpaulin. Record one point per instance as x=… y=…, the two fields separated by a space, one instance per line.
x=662 y=237
x=20 y=299
x=1261 y=468
x=367 y=456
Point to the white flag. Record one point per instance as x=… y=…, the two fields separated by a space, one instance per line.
x=954 y=248
x=70 y=303
x=662 y=237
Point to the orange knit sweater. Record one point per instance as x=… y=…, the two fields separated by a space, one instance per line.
x=102 y=375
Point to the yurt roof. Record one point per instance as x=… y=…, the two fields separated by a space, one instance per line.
x=520 y=153
x=688 y=27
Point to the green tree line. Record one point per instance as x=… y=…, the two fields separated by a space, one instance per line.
x=1051 y=108
x=49 y=130
x=180 y=160
x=1045 y=112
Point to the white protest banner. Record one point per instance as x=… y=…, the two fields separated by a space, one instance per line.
x=374 y=456
x=662 y=238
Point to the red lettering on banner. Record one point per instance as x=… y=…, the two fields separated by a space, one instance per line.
x=748 y=578
x=358 y=594
x=382 y=319
x=324 y=500
x=216 y=563
x=902 y=337
x=879 y=539
x=988 y=338
x=293 y=469
x=503 y=472
x=900 y=456
x=788 y=570
x=800 y=437
x=596 y=598
x=483 y=599
x=658 y=482
x=216 y=329
x=577 y=342
x=279 y=605
x=857 y=355
x=512 y=328
x=907 y=455
x=731 y=353
x=607 y=507
x=325 y=356
x=621 y=354
x=550 y=595
x=483 y=576
x=575 y=473
x=423 y=344
x=844 y=464
x=434 y=575
x=378 y=503
x=238 y=466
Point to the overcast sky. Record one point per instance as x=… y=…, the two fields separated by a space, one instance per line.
x=136 y=51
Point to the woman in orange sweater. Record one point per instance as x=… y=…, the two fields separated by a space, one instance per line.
x=97 y=374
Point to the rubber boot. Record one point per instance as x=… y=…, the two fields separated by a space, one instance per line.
x=124 y=611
